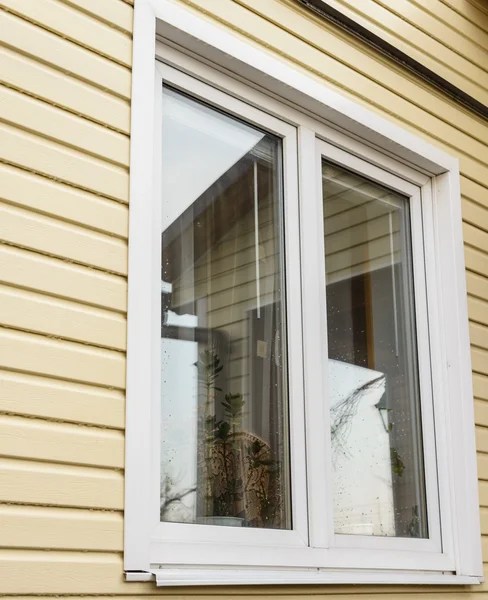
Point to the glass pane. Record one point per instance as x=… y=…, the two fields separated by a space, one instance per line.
x=224 y=431
x=373 y=374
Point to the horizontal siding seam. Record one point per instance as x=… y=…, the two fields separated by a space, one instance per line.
x=60 y=338
x=73 y=4
x=478 y=6
x=64 y=181
x=22 y=16
x=464 y=15
x=61 y=70
x=51 y=215
x=54 y=377
x=471 y=223
x=50 y=505
x=28 y=254
x=355 y=93
x=66 y=549
x=429 y=55
x=478 y=228
x=67 y=298
x=9 y=413
x=56 y=140
x=63 y=107
x=446 y=88
x=438 y=40
x=473 y=295
x=470 y=198
x=407 y=72
x=444 y=22
x=48 y=468
x=472 y=344
x=65 y=260
x=478 y=372
x=57 y=216
x=477 y=183
x=62 y=463
x=91 y=511
x=477 y=346
x=468 y=244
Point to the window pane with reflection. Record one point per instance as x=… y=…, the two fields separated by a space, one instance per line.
x=224 y=430
x=373 y=373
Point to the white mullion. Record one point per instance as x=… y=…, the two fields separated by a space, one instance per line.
x=298 y=470
x=315 y=341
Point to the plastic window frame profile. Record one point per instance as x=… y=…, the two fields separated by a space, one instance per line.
x=243 y=79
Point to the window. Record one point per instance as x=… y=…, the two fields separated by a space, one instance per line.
x=291 y=417
x=374 y=399
x=224 y=407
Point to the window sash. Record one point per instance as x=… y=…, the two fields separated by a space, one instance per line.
x=216 y=536
x=371 y=172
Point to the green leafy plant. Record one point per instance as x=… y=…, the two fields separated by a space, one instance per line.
x=238 y=470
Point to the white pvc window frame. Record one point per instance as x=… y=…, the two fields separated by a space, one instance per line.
x=413 y=193
x=313 y=122
x=222 y=541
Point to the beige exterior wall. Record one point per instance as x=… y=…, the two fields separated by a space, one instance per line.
x=64 y=152
x=450 y=37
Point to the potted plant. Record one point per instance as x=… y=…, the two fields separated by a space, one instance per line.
x=239 y=478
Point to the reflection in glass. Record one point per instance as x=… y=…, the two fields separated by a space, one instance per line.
x=224 y=435
x=373 y=374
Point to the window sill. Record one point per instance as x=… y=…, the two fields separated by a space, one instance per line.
x=168 y=577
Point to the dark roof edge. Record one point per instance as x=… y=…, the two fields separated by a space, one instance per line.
x=322 y=8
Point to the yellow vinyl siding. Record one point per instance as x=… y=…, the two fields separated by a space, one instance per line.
x=50 y=236
x=22 y=309
x=60 y=442
x=473 y=11
x=57 y=277
x=420 y=30
x=62 y=127
x=113 y=12
x=41 y=155
x=65 y=118
x=51 y=85
x=41 y=483
x=60 y=528
x=45 y=196
x=71 y=58
x=60 y=359
x=76 y=26
x=64 y=187
x=54 y=400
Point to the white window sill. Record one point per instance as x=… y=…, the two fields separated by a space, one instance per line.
x=167 y=577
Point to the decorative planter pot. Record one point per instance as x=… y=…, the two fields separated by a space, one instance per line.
x=226 y=521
